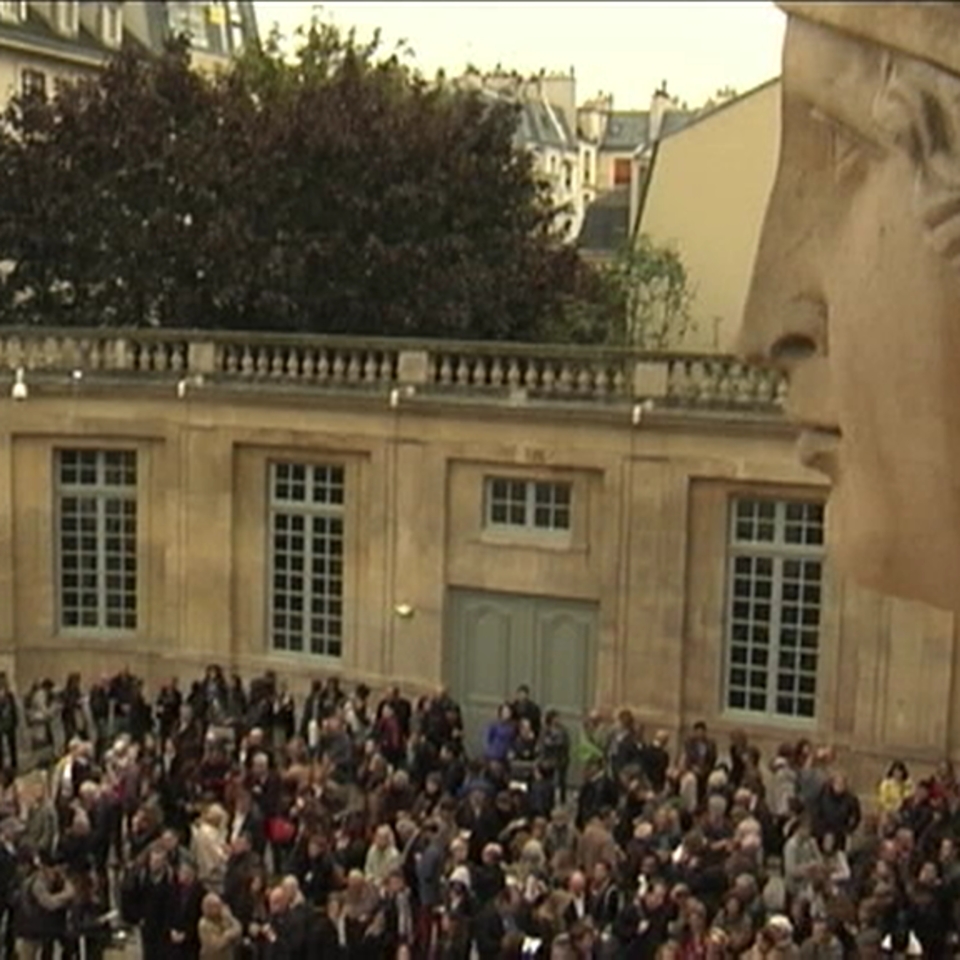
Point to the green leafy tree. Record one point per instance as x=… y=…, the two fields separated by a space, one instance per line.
x=641 y=298
x=332 y=191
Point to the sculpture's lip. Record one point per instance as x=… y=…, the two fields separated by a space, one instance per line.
x=817 y=447
x=810 y=426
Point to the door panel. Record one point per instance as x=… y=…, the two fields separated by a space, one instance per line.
x=487 y=631
x=496 y=642
x=563 y=644
x=565 y=652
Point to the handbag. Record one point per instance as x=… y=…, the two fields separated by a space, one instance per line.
x=280 y=831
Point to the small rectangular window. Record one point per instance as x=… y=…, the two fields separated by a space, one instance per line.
x=68 y=17
x=190 y=20
x=33 y=83
x=535 y=505
x=111 y=24
x=13 y=10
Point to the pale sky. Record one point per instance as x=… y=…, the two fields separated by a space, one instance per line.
x=624 y=48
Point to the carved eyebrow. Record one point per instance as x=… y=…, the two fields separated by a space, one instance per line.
x=935 y=121
x=871 y=140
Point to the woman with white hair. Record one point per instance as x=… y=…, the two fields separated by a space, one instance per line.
x=383 y=857
x=220 y=931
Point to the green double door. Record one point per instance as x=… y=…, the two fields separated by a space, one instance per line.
x=498 y=641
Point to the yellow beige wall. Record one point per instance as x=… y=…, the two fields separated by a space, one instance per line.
x=707 y=196
x=648 y=545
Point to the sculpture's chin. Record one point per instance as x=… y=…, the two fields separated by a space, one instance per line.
x=873 y=559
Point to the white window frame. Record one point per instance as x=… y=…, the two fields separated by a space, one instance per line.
x=292 y=617
x=761 y=651
x=531 y=489
x=111 y=568
x=13 y=11
x=111 y=24
x=32 y=72
x=68 y=17
x=191 y=19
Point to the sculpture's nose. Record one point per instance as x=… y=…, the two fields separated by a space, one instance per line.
x=782 y=333
x=785 y=316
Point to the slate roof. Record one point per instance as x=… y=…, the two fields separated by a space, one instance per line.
x=535 y=126
x=674 y=120
x=538 y=127
x=606 y=222
x=626 y=130
x=629 y=129
x=35 y=30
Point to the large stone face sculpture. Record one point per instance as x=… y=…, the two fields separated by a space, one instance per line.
x=856 y=289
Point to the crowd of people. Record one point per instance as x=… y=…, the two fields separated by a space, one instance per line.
x=228 y=822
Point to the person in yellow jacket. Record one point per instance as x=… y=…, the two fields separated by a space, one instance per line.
x=895 y=788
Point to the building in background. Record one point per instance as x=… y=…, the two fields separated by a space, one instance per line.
x=584 y=152
x=547 y=128
x=45 y=42
x=622 y=143
x=613 y=529
x=706 y=196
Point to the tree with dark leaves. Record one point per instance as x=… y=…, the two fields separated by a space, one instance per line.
x=333 y=192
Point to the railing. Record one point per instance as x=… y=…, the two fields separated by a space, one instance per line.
x=477 y=369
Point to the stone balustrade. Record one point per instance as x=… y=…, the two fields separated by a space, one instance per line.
x=433 y=367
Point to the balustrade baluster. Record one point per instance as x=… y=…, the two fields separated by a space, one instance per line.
x=584 y=380
x=161 y=357
x=308 y=363
x=323 y=366
x=50 y=353
x=353 y=368
x=723 y=392
x=677 y=380
x=445 y=371
x=549 y=377
x=601 y=383
x=15 y=352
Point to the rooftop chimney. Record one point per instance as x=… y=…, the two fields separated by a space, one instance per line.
x=658 y=107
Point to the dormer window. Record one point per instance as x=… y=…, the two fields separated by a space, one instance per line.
x=13 y=11
x=68 y=17
x=111 y=24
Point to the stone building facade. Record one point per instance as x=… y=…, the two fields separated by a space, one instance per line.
x=612 y=528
